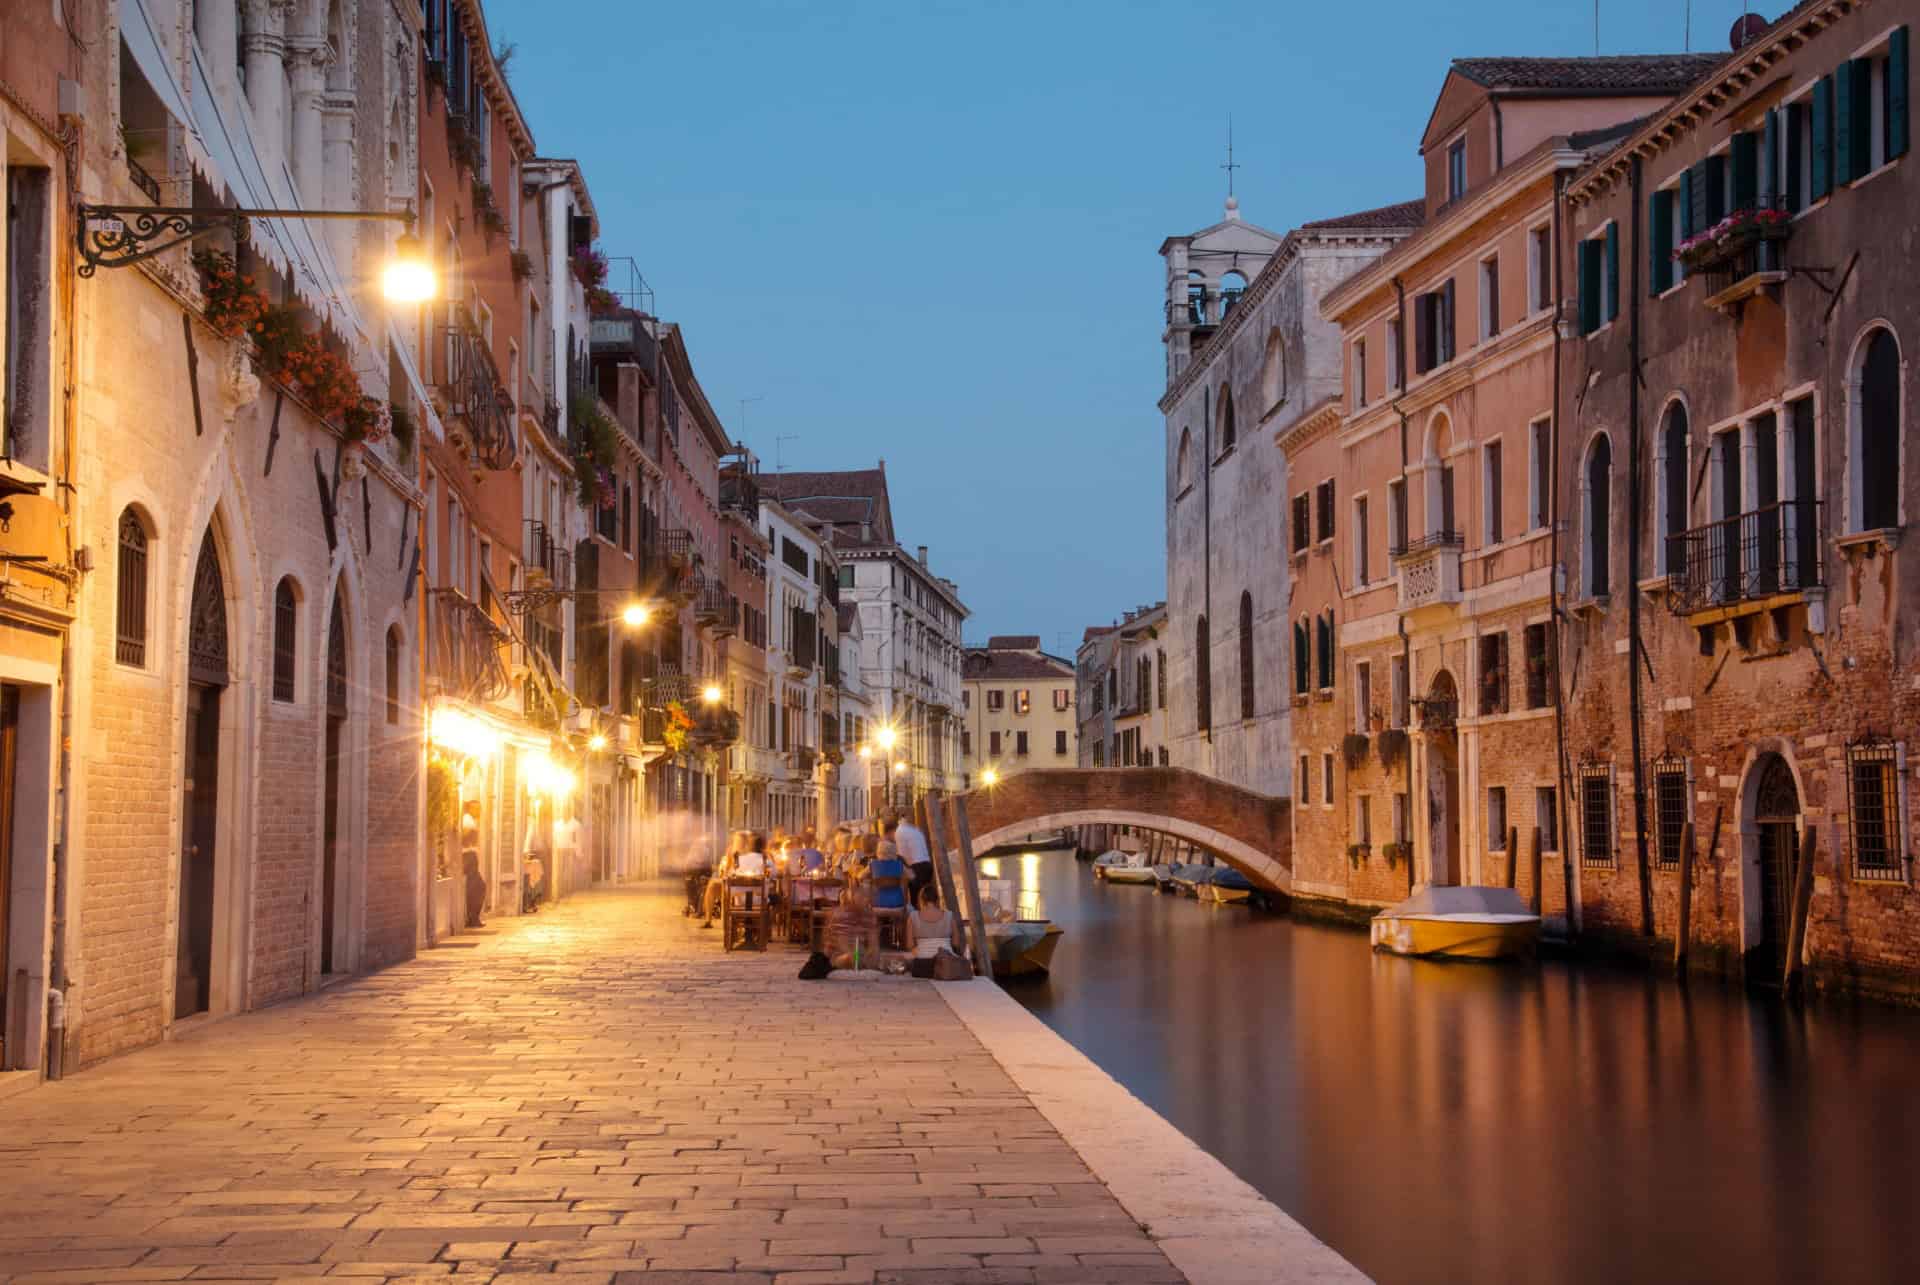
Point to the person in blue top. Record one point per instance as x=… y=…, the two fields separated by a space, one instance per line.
x=885 y=874
x=811 y=858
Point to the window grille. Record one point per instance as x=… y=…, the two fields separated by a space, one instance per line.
x=1873 y=805
x=1670 y=806
x=131 y=648
x=1596 y=815
x=285 y=624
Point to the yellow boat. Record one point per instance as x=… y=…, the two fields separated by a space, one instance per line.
x=1459 y=923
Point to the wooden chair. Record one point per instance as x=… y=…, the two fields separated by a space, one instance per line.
x=744 y=914
x=812 y=905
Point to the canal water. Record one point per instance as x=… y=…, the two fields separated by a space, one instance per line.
x=1462 y=1122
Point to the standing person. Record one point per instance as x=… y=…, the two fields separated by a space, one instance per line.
x=566 y=847
x=476 y=882
x=911 y=842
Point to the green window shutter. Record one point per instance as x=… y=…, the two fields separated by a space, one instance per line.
x=1796 y=156
x=1716 y=189
x=1850 y=141
x=1696 y=188
x=1660 y=229
x=1589 y=286
x=1770 y=161
x=1613 y=271
x=1897 y=74
x=1822 y=129
x=1745 y=164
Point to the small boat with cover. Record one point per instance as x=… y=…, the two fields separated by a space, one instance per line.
x=1459 y=923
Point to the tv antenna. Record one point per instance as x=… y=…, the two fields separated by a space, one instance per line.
x=744 y=403
x=779 y=443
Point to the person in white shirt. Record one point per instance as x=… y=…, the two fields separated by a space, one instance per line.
x=911 y=843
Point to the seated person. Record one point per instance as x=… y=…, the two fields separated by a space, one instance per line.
x=808 y=856
x=885 y=872
x=717 y=886
x=533 y=887
x=853 y=926
x=930 y=930
x=753 y=860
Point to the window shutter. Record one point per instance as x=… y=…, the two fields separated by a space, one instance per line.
x=1696 y=189
x=1446 y=321
x=1822 y=138
x=1589 y=286
x=1613 y=271
x=1897 y=74
x=1796 y=125
x=1770 y=161
x=1660 y=256
x=1745 y=156
x=1716 y=189
x=1849 y=140
x=1422 y=334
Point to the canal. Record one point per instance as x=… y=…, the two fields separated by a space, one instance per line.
x=1461 y=1122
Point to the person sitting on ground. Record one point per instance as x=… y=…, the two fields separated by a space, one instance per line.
x=852 y=926
x=930 y=930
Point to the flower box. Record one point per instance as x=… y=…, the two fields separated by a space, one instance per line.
x=1732 y=235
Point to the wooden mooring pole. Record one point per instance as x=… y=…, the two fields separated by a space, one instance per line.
x=970 y=887
x=1683 y=933
x=1513 y=854
x=927 y=810
x=1802 y=901
x=1533 y=895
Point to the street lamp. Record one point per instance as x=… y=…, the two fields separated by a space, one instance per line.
x=634 y=615
x=115 y=236
x=885 y=737
x=712 y=695
x=989 y=777
x=597 y=742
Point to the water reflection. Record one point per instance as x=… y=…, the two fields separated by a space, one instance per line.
x=1439 y=1122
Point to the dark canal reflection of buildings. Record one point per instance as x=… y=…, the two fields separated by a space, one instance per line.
x=1439 y=1122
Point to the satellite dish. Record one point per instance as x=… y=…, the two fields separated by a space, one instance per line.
x=1747 y=28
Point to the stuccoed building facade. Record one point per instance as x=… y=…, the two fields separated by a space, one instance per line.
x=1741 y=656
x=1017 y=708
x=1247 y=351
x=240 y=807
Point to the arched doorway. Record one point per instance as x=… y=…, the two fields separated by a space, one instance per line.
x=1773 y=806
x=331 y=920
x=1437 y=714
x=207 y=677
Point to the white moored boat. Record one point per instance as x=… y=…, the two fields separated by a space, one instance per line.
x=1459 y=923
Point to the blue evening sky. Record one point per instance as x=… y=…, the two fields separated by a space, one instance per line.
x=926 y=232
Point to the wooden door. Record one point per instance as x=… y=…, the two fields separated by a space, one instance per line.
x=200 y=806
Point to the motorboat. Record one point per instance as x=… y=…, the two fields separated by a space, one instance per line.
x=1022 y=947
x=1163 y=875
x=1226 y=887
x=1190 y=878
x=1108 y=859
x=1136 y=871
x=1459 y=923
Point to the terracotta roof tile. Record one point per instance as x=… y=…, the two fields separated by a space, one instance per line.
x=1014 y=642
x=1644 y=73
x=1405 y=214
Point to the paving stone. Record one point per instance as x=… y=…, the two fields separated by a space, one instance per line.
x=596 y=1093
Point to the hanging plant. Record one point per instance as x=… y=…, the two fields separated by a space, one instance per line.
x=368 y=420
x=1357 y=854
x=678 y=724
x=1394 y=852
x=589 y=265
x=1392 y=746
x=595 y=443
x=1353 y=748
x=233 y=305
x=600 y=299
x=403 y=427
x=522 y=265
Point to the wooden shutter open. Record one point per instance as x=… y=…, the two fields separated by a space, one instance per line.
x=1660 y=235
x=1897 y=73
x=1822 y=131
x=1613 y=271
x=1744 y=157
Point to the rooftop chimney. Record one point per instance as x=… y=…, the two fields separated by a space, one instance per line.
x=923 y=555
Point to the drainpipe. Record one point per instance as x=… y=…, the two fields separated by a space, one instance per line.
x=1635 y=718
x=1554 y=611
x=1399 y=620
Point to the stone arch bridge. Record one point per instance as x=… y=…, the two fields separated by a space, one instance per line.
x=1249 y=831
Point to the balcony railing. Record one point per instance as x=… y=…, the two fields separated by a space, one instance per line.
x=716 y=608
x=1429 y=570
x=475 y=395
x=1758 y=554
x=546 y=557
x=465 y=643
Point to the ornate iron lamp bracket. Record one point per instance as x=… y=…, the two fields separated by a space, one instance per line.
x=113 y=236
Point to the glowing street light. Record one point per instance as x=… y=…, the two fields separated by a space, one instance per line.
x=408 y=276
x=899 y=767
x=866 y=751
x=597 y=742
x=989 y=777
x=712 y=695
x=634 y=615
x=885 y=738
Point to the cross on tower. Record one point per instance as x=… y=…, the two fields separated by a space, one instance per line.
x=1230 y=166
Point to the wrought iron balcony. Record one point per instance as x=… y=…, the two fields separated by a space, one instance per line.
x=716 y=608
x=548 y=564
x=1430 y=570
x=476 y=398
x=464 y=648
x=1754 y=555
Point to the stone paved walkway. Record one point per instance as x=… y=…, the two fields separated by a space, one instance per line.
x=592 y=1094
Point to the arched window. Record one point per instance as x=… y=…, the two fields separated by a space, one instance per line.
x=1196 y=298
x=394 y=644
x=1597 y=483
x=1323 y=651
x=1440 y=519
x=1876 y=417
x=1183 y=462
x=1273 y=371
x=1302 y=657
x=1232 y=286
x=1226 y=418
x=1672 y=496
x=131 y=615
x=1246 y=654
x=1160 y=679
x=1202 y=677
x=286 y=624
